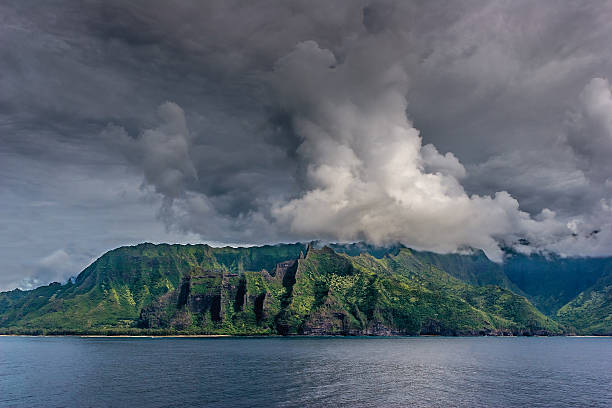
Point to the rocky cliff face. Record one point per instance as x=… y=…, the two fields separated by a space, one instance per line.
x=203 y=296
x=287 y=289
x=326 y=293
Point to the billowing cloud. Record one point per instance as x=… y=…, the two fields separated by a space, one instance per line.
x=368 y=174
x=440 y=125
x=162 y=152
x=57 y=266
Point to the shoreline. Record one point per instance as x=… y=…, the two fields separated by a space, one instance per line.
x=213 y=336
x=127 y=335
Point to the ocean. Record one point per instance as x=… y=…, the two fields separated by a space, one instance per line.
x=306 y=372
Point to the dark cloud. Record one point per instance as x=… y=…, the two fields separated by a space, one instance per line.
x=440 y=125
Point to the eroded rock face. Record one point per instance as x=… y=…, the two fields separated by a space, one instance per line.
x=198 y=293
x=207 y=296
x=213 y=292
x=259 y=306
x=283 y=267
x=328 y=323
x=201 y=289
x=181 y=320
x=154 y=315
x=326 y=293
x=241 y=298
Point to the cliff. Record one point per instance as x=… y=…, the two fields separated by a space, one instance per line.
x=283 y=289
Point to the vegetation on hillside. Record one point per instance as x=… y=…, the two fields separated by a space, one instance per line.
x=276 y=290
x=591 y=311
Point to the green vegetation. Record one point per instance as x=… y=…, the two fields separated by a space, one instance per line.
x=197 y=289
x=550 y=281
x=591 y=311
x=573 y=291
x=112 y=291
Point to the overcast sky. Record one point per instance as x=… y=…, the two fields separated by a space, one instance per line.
x=441 y=125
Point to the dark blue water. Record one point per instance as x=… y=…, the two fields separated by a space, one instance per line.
x=317 y=372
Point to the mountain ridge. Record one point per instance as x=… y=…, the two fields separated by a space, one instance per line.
x=299 y=289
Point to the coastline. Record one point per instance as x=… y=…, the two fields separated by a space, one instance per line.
x=126 y=335
x=213 y=336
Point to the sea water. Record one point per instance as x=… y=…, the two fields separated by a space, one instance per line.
x=301 y=371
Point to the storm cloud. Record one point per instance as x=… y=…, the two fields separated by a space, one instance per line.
x=444 y=126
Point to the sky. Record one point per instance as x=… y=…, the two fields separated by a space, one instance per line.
x=443 y=126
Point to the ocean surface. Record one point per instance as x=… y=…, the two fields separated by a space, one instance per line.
x=311 y=372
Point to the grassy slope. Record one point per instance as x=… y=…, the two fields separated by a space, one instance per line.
x=402 y=293
x=551 y=282
x=570 y=290
x=112 y=290
x=503 y=308
x=474 y=268
x=591 y=311
x=409 y=290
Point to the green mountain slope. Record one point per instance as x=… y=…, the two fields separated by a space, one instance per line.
x=112 y=291
x=551 y=281
x=573 y=291
x=269 y=290
x=591 y=311
x=473 y=268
